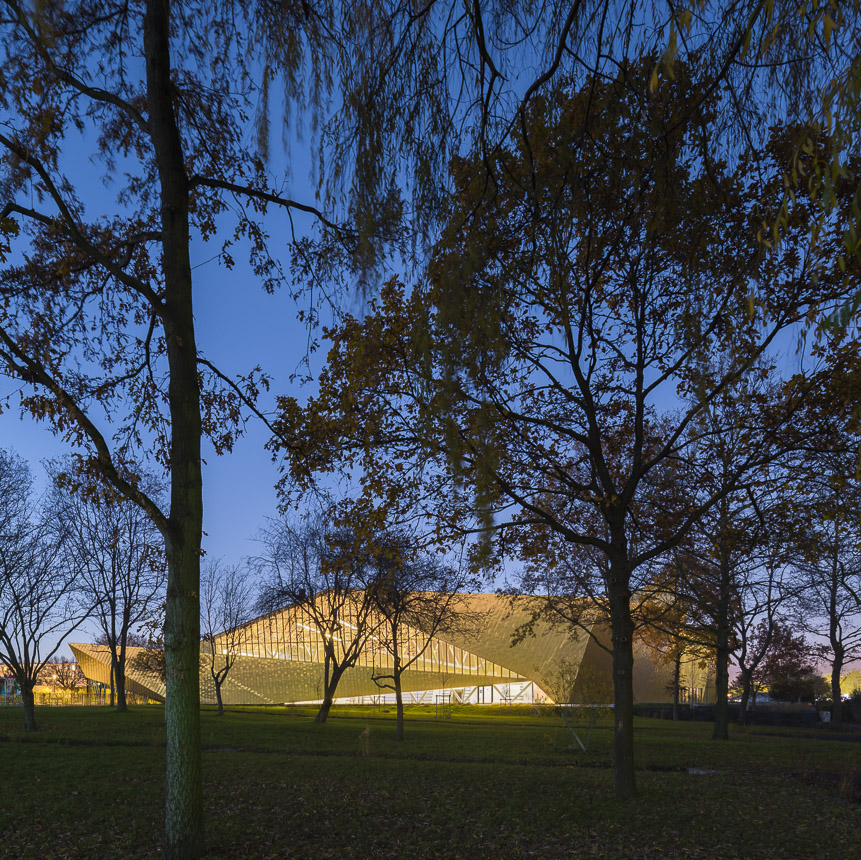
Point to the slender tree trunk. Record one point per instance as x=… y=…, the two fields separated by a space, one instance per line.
x=396 y=671
x=218 y=698
x=323 y=713
x=622 y=626
x=122 y=706
x=113 y=677
x=836 y=692
x=29 y=702
x=721 y=727
x=677 y=671
x=746 y=681
x=184 y=837
x=834 y=636
x=399 y=707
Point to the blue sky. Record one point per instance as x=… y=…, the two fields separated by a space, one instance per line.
x=238 y=326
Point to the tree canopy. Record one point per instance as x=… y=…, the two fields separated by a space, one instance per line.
x=580 y=319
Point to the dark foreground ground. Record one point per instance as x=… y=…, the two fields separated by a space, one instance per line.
x=486 y=783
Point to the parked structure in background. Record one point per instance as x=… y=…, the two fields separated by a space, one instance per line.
x=280 y=660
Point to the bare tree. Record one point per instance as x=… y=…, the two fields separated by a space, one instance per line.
x=118 y=555
x=37 y=587
x=418 y=598
x=734 y=563
x=63 y=674
x=323 y=572
x=759 y=594
x=829 y=604
x=226 y=602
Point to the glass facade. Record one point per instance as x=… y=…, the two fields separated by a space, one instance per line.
x=292 y=634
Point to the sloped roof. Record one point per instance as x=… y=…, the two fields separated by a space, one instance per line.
x=269 y=673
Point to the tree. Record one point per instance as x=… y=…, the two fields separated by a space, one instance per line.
x=737 y=561
x=564 y=585
x=674 y=627
x=739 y=552
x=324 y=572
x=226 y=601
x=63 y=674
x=150 y=639
x=97 y=315
x=729 y=555
x=118 y=554
x=829 y=606
x=788 y=671
x=560 y=351
x=751 y=653
x=832 y=605
x=581 y=694
x=37 y=606
x=417 y=598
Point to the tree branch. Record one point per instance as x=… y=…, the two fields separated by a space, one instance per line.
x=33 y=372
x=265 y=196
x=72 y=230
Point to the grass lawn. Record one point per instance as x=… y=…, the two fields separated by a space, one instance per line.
x=489 y=782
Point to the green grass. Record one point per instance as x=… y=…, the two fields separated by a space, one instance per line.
x=489 y=782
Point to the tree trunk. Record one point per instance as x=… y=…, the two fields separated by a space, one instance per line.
x=332 y=680
x=623 y=679
x=746 y=681
x=399 y=706
x=323 y=713
x=29 y=702
x=677 y=671
x=184 y=786
x=122 y=706
x=218 y=698
x=721 y=727
x=396 y=671
x=113 y=676
x=836 y=693
x=835 y=637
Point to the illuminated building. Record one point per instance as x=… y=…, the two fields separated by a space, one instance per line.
x=279 y=659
